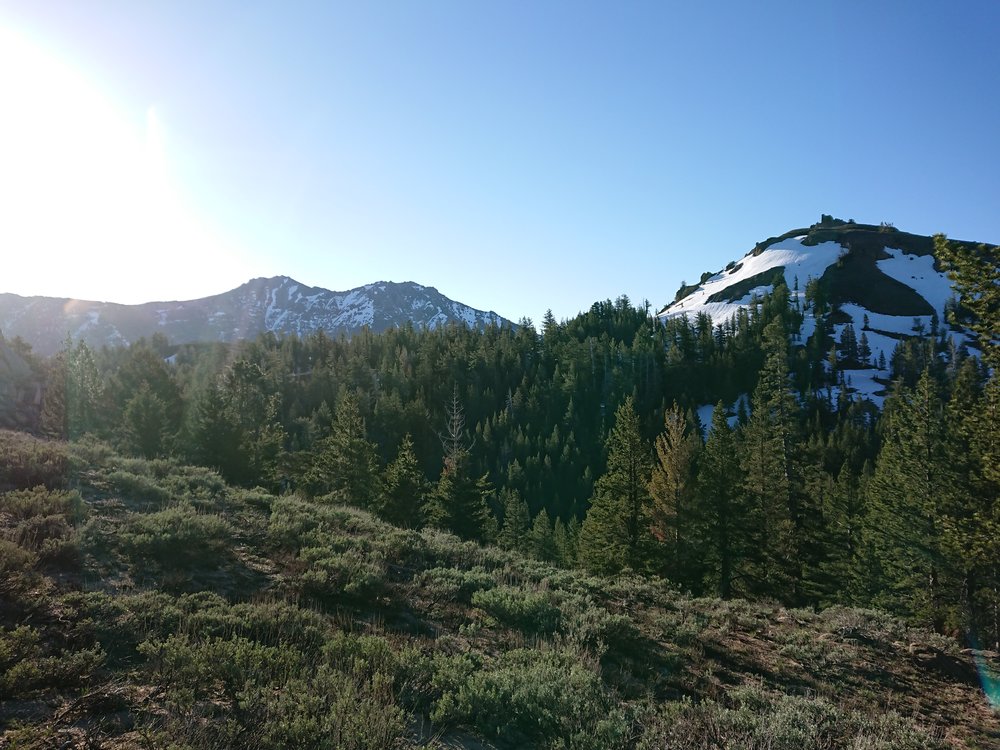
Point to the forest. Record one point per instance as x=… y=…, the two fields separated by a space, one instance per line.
x=311 y=513
x=581 y=445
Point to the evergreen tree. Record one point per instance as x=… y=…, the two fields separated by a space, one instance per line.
x=719 y=514
x=144 y=423
x=767 y=460
x=910 y=494
x=346 y=462
x=671 y=489
x=974 y=272
x=459 y=502
x=516 y=521
x=615 y=532
x=543 y=545
x=403 y=489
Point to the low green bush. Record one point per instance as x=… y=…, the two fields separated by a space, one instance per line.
x=546 y=698
x=26 y=461
x=330 y=574
x=177 y=537
x=451 y=585
x=758 y=719
x=528 y=611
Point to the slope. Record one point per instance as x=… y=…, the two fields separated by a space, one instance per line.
x=885 y=283
x=152 y=605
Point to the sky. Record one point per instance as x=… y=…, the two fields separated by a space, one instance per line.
x=518 y=156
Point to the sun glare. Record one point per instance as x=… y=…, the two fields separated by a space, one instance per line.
x=87 y=206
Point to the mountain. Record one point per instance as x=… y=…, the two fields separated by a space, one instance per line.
x=279 y=305
x=872 y=279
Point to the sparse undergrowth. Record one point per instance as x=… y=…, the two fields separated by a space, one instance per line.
x=146 y=604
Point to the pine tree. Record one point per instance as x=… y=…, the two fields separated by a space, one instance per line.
x=671 y=489
x=543 y=544
x=719 y=514
x=516 y=520
x=459 y=502
x=345 y=464
x=403 y=489
x=144 y=423
x=910 y=496
x=564 y=538
x=767 y=460
x=974 y=272
x=615 y=532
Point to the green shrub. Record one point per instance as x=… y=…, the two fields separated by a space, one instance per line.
x=273 y=696
x=592 y=628
x=529 y=611
x=758 y=719
x=330 y=574
x=138 y=489
x=177 y=537
x=545 y=698
x=451 y=585
x=21 y=505
x=26 y=461
x=25 y=667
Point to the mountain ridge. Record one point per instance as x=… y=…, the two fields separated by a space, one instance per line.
x=276 y=304
x=846 y=278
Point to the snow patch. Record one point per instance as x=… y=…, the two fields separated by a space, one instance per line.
x=801 y=263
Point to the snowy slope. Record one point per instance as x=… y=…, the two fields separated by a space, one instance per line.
x=278 y=305
x=811 y=256
x=799 y=261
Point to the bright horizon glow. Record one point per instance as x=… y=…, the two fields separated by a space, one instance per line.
x=87 y=202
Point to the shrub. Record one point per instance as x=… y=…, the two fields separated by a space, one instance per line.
x=25 y=667
x=331 y=574
x=138 y=489
x=530 y=611
x=177 y=537
x=21 y=505
x=450 y=585
x=26 y=461
x=758 y=719
x=546 y=698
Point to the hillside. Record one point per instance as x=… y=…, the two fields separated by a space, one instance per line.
x=148 y=604
x=882 y=282
x=277 y=305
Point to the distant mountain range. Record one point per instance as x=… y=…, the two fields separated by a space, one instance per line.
x=884 y=283
x=280 y=305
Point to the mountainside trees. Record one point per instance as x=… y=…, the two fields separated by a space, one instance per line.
x=579 y=444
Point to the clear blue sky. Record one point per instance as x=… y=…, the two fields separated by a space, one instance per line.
x=518 y=156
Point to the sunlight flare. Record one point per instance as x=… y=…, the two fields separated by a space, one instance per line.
x=87 y=202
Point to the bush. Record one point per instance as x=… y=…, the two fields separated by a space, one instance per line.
x=21 y=505
x=138 y=489
x=450 y=585
x=545 y=698
x=26 y=461
x=26 y=668
x=758 y=719
x=331 y=574
x=178 y=537
x=529 y=611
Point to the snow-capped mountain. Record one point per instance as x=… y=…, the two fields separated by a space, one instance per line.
x=884 y=283
x=280 y=305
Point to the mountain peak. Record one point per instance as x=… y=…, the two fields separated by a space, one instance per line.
x=882 y=282
x=276 y=304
